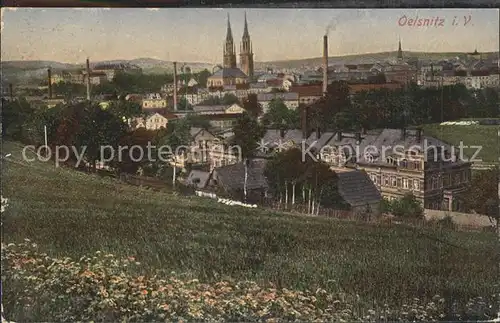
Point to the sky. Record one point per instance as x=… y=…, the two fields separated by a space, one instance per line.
x=70 y=35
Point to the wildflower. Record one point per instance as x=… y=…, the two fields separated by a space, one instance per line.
x=144 y=292
x=131 y=258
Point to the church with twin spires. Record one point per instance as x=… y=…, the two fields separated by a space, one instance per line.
x=230 y=74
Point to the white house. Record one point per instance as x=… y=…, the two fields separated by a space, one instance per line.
x=154 y=121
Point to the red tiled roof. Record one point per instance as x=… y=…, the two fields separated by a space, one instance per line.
x=307 y=90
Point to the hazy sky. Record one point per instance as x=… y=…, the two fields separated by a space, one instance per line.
x=196 y=35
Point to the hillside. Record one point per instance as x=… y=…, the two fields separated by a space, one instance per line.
x=470 y=136
x=68 y=213
x=362 y=58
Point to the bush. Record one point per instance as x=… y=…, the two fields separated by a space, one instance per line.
x=407 y=207
x=103 y=288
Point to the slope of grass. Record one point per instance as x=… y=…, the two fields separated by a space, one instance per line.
x=474 y=135
x=74 y=214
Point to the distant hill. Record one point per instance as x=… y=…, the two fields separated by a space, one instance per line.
x=363 y=58
x=22 y=71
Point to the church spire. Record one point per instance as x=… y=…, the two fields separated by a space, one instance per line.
x=245 y=30
x=229 y=34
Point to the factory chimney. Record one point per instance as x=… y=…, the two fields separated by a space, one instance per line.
x=175 y=86
x=49 y=77
x=325 y=64
x=88 y=79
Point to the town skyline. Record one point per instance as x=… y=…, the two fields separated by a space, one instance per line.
x=59 y=34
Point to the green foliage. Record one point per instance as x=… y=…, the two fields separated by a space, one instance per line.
x=247 y=134
x=14 y=114
x=279 y=116
x=139 y=83
x=385 y=206
x=252 y=106
x=102 y=287
x=184 y=105
x=407 y=207
x=125 y=109
x=482 y=195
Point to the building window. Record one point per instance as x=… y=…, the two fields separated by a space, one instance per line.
x=457 y=178
x=416 y=184
x=405 y=183
x=398 y=183
x=386 y=180
x=393 y=181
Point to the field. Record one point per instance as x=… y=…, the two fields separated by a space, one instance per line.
x=474 y=135
x=74 y=214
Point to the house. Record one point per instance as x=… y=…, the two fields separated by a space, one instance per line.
x=153 y=121
x=290 y=99
x=308 y=93
x=73 y=76
x=218 y=109
x=425 y=166
x=359 y=192
x=153 y=101
x=197 y=178
x=279 y=140
x=202 y=143
x=229 y=180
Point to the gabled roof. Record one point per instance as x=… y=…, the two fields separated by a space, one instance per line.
x=307 y=90
x=229 y=72
x=232 y=177
x=273 y=137
x=357 y=189
x=209 y=108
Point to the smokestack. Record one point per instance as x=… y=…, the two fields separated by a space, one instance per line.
x=175 y=86
x=325 y=64
x=88 y=79
x=49 y=76
x=11 y=92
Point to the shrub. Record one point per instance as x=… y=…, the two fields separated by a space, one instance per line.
x=103 y=288
x=407 y=207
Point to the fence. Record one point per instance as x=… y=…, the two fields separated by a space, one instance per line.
x=304 y=209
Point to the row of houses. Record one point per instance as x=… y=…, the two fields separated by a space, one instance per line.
x=424 y=166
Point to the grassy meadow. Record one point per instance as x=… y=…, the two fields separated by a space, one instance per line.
x=72 y=214
x=474 y=135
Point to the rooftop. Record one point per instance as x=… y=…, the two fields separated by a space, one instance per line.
x=229 y=72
